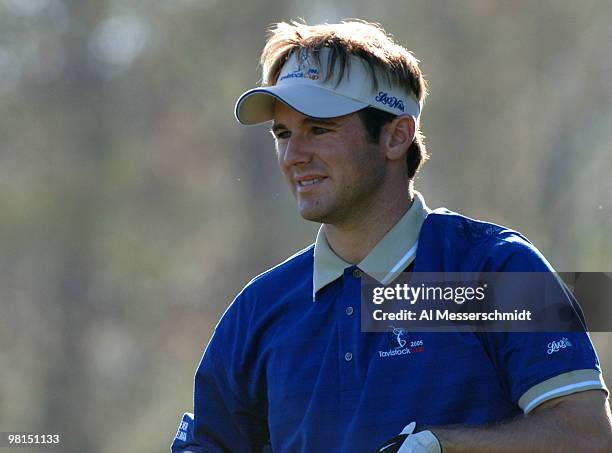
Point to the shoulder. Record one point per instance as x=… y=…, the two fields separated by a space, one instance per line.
x=468 y=242
x=288 y=280
x=252 y=319
x=470 y=230
x=294 y=271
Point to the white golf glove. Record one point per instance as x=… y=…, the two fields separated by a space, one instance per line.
x=407 y=442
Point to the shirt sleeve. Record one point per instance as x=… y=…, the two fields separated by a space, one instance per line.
x=184 y=441
x=229 y=414
x=538 y=366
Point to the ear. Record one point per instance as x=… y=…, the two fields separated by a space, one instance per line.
x=397 y=137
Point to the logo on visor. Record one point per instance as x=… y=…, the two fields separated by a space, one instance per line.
x=311 y=73
x=391 y=101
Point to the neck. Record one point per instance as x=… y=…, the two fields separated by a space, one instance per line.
x=352 y=242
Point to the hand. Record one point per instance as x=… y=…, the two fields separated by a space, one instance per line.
x=407 y=442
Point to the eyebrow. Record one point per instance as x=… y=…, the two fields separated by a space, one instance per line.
x=308 y=122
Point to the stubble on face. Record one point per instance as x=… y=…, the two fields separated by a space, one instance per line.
x=353 y=169
x=355 y=197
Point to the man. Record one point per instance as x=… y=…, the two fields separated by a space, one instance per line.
x=288 y=367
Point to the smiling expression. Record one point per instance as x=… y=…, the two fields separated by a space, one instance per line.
x=335 y=175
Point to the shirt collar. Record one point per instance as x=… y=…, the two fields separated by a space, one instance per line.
x=395 y=251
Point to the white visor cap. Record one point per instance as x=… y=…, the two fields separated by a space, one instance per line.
x=302 y=85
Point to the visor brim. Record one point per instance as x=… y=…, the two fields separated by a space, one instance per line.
x=257 y=105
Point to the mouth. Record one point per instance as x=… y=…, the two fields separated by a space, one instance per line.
x=305 y=183
x=309 y=182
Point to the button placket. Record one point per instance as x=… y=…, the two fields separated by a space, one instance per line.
x=349 y=345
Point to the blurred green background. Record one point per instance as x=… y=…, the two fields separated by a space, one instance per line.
x=133 y=206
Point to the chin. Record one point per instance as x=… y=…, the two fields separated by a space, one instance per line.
x=313 y=215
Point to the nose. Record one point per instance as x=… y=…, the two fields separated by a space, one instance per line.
x=294 y=152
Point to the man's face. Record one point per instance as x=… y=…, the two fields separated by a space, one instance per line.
x=333 y=172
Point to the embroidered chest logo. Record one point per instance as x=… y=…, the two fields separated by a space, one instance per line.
x=401 y=344
x=399 y=333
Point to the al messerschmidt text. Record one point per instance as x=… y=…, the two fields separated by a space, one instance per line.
x=447 y=315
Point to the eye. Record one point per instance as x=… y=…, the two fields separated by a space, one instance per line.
x=319 y=130
x=281 y=134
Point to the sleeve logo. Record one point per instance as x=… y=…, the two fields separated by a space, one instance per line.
x=555 y=346
x=181 y=434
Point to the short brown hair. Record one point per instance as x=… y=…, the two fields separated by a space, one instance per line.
x=366 y=40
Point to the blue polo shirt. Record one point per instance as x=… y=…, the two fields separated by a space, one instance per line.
x=288 y=364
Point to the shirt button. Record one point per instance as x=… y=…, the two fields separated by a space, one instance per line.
x=357 y=273
x=349 y=311
x=348 y=356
